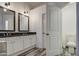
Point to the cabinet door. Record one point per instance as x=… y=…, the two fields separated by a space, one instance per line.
x=26 y=41
x=10 y=48
x=33 y=39
x=18 y=44
x=15 y=47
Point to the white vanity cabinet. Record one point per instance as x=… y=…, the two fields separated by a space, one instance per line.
x=16 y=44
x=20 y=42
x=10 y=43
x=26 y=41
x=29 y=40
x=32 y=39
x=2 y=40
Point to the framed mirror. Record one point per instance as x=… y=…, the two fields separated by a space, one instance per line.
x=7 y=19
x=23 y=23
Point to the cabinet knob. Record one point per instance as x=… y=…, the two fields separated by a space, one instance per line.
x=47 y=34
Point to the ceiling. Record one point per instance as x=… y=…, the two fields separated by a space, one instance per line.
x=61 y=4
x=33 y=5
x=36 y=4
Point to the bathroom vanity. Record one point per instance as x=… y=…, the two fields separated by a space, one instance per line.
x=16 y=43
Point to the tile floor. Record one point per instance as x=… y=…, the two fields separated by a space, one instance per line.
x=42 y=52
x=34 y=52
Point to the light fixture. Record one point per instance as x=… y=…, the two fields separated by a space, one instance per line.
x=7 y=4
x=4 y=9
x=26 y=13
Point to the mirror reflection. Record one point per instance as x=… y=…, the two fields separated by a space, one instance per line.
x=7 y=18
x=23 y=22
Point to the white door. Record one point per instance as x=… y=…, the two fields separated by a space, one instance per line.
x=44 y=31
x=53 y=41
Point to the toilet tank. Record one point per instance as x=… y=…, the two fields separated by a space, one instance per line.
x=71 y=38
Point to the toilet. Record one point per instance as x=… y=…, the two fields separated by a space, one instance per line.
x=71 y=47
x=71 y=44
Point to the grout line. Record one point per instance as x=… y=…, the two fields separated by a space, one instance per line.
x=27 y=52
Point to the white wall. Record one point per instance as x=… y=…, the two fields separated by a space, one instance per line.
x=68 y=21
x=36 y=23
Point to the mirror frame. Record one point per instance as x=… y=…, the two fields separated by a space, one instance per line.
x=19 y=23
x=13 y=21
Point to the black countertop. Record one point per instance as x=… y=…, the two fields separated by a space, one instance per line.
x=14 y=34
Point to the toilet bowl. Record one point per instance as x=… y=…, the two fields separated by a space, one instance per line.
x=71 y=47
x=71 y=43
